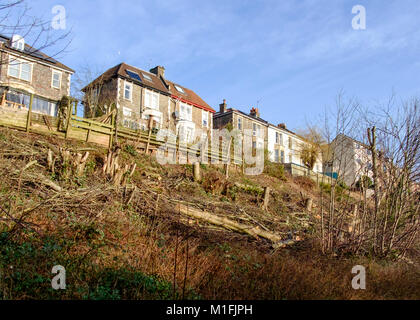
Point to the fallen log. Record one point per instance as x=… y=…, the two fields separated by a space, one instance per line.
x=226 y=223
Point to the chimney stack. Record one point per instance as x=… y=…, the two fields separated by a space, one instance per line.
x=281 y=126
x=159 y=71
x=223 y=106
x=254 y=112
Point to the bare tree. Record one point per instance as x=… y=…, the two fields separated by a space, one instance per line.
x=310 y=149
x=90 y=87
x=384 y=222
x=39 y=33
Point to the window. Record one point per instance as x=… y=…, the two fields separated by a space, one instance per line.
x=290 y=158
x=18 y=97
x=20 y=69
x=126 y=112
x=133 y=75
x=190 y=132
x=254 y=145
x=18 y=42
x=240 y=123
x=282 y=156
x=279 y=138
x=147 y=77
x=151 y=100
x=205 y=118
x=128 y=90
x=276 y=155
x=179 y=88
x=25 y=71
x=290 y=143
x=255 y=130
x=56 y=79
x=185 y=111
x=186 y=133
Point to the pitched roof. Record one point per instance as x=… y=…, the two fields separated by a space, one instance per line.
x=153 y=81
x=218 y=114
x=34 y=53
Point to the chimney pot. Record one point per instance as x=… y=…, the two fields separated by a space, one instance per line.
x=254 y=112
x=281 y=126
x=223 y=106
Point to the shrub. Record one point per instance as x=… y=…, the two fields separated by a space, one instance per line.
x=130 y=150
x=364 y=182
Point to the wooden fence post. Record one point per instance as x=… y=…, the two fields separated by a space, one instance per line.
x=69 y=115
x=150 y=133
x=113 y=129
x=243 y=155
x=28 y=120
x=88 y=133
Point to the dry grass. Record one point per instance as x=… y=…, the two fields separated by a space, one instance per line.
x=130 y=243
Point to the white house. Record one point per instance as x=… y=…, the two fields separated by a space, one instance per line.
x=285 y=146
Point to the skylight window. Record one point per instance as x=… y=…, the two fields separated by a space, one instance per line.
x=133 y=75
x=179 y=88
x=147 y=77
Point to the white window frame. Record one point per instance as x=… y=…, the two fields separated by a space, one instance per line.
x=18 y=42
x=185 y=115
x=59 y=80
x=182 y=132
x=205 y=116
x=179 y=89
x=148 y=99
x=276 y=155
x=19 y=62
x=130 y=84
x=146 y=76
x=127 y=112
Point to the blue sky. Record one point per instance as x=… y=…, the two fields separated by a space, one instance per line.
x=293 y=56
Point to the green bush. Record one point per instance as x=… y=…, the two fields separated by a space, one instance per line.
x=130 y=150
x=364 y=182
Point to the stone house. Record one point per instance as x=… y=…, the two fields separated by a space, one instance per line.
x=148 y=100
x=26 y=72
x=249 y=124
x=282 y=144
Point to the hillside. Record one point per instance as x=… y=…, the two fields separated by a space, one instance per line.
x=132 y=237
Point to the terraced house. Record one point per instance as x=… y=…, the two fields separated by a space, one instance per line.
x=249 y=124
x=283 y=145
x=146 y=99
x=27 y=74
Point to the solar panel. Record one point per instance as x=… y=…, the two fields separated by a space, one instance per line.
x=133 y=75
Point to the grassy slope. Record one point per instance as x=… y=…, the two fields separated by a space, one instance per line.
x=114 y=248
